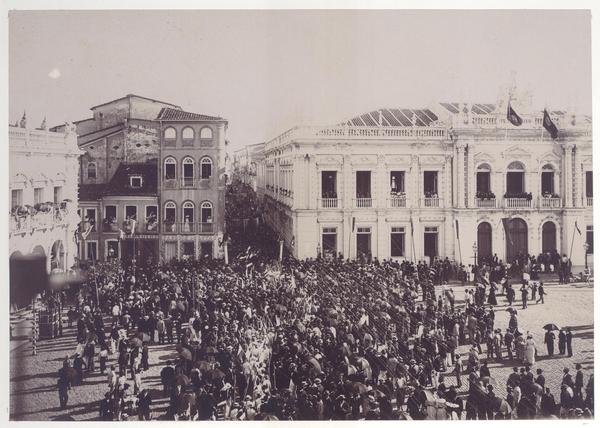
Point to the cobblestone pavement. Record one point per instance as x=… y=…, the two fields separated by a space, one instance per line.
x=34 y=395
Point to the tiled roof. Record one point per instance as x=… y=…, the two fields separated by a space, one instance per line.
x=175 y=115
x=394 y=117
x=91 y=192
x=475 y=108
x=119 y=184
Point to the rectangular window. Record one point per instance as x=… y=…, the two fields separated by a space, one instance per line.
x=515 y=183
x=130 y=212
x=397 y=242
x=397 y=181
x=110 y=212
x=206 y=249
x=329 y=242
x=57 y=194
x=363 y=242
x=151 y=217
x=589 y=184
x=547 y=182
x=589 y=239
x=363 y=184
x=135 y=181
x=430 y=242
x=112 y=249
x=170 y=171
x=329 y=184
x=430 y=184
x=483 y=182
x=38 y=195
x=187 y=250
x=91 y=250
x=16 y=198
x=90 y=215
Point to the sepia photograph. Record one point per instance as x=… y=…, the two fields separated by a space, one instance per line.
x=300 y=214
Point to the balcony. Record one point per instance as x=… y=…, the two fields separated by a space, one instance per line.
x=151 y=226
x=37 y=221
x=170 y=183
x=188 y=228
x=588 y=201
x=363 y=203
x=206 y=227
x=130 y=227
x=109 y=226
x=329 y=203
x=517 y=203
x=169 y=227
x=485 y=203
x=187 y=182
x=431 y=202
x=548 y=203
x=397 y=202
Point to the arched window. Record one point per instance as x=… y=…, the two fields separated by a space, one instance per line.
x=170 y=212
x=170 y=167
x=516 y=166
x=547 y=180
x=484 y=189
x=170 y=133
x=205 y=168
x=206 y=133
x=187 y=133
x=206 y=215
x=188 y=171
x=187 y=213
x=91 y=170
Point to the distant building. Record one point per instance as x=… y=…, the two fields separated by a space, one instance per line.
x=122 y=197
x=245 y=163
x=453 y=180
x=43 y=168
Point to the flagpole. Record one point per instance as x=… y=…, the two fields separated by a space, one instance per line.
x=572 y=241
x=458 y=239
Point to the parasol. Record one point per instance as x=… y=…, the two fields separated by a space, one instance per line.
x=551 y=326
x=182 y=380
x=185 y=354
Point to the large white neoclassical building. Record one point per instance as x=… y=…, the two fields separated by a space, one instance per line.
x=44 y=169
x=453 y=180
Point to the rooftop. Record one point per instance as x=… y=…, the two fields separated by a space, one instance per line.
x=119 y=185
x=134 y=96
x=170 y=114
x=394 y=117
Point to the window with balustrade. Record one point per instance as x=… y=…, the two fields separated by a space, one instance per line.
x=188 y=216
x=483 y=182
x=329 y=184
x=430 y=184
x=188 y=172
x=38 y=195
x=363 y=184
x=16 y=198
x=206 y=165
x=515 y=180
x=548 y=180
x=170 y=166
x=170 y=216
x=397 y=183
x=206 y=212
x=589 y=184
x=57 y=194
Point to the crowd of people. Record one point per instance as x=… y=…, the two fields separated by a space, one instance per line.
x=319 y=339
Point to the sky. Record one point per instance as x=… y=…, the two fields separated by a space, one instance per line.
x=267 y=71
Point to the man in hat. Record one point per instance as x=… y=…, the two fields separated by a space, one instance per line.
x=578 y=390
x=540 y=379
x=567 y=379
x=549 y=341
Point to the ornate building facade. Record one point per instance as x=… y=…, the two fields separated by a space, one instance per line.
x=43 y=191
x=142 y=173
x=453 y=180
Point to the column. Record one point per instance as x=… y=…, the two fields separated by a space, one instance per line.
x=347 y=187
x=447 y=203
x=567 y=164
x=470 y=176
x=460 y=172
x=415 y=171
x=577 y=180
x=381 y=191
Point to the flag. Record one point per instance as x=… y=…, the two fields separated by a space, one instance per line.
x=549 y=125
x=132 y=225
x=505 y=224
x=577 y=228
x=513 y=117
x=456 y=220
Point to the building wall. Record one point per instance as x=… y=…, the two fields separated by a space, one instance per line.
x=292 y=170
x=44 y=160
x=203 y=190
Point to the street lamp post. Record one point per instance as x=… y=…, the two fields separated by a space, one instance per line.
x=475 y=253
x=318 y=249
x=586 y=247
